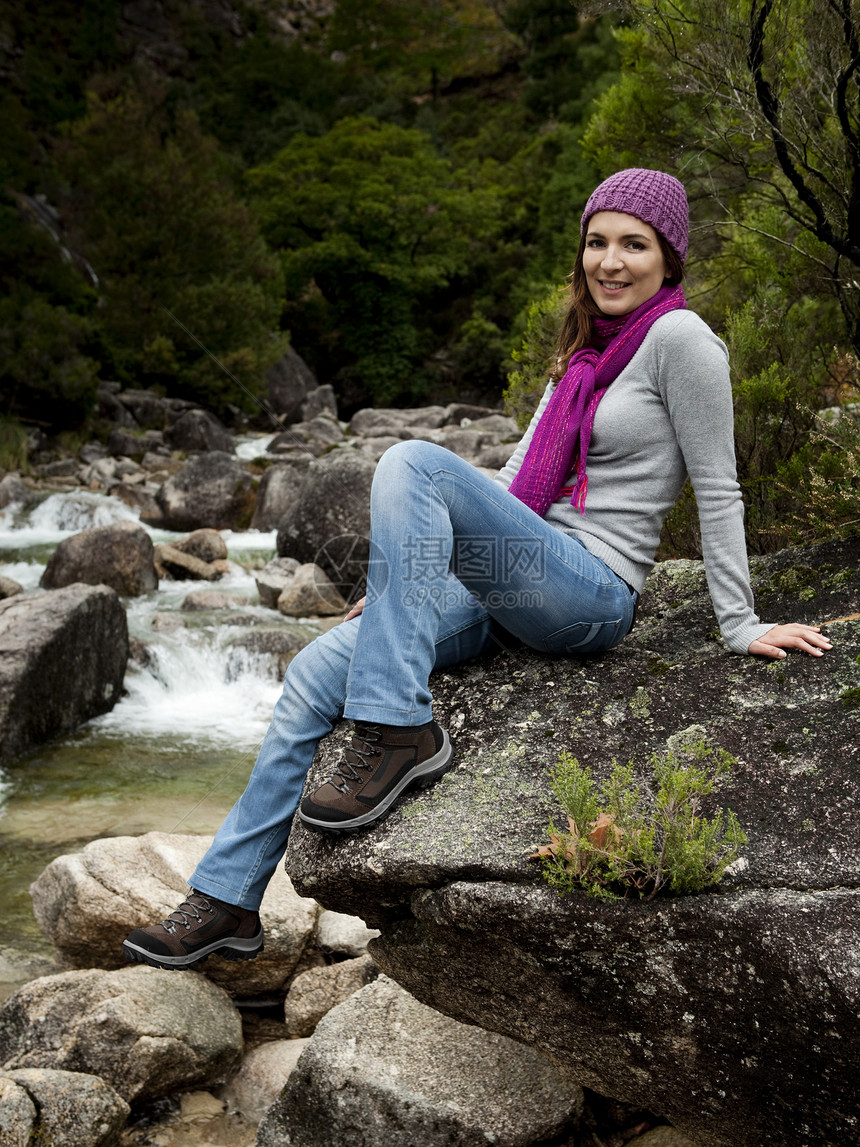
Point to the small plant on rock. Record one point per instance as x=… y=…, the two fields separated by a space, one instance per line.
x=637 y=837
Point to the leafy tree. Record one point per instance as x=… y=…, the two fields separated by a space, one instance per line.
x=184 y=272
x=758 y=103
x=371 y=222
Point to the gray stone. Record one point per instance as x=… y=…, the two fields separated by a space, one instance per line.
x=329 y=524
x=138 y=499
x=126 y=444
x=87 y=902
x=319 y=401
x=145 y=1031
x=9 y=587
x=18 y=967
x=310 y=593
x=278 y=490
x=212 y=490
x=62 y=661
x=501 y=426
x=342 y=935
x=173 y=562
x=370 y=421
x=289 y=382
x=13 y=491
x=382 y=1068
x=205 y=545
x=151 y=410
x=17 y=1114
x=455 y=412
x=262 y=1077
x=315 y=437
x=277 y=647
x=92 y=452
x=100 y=473
x=62 y=468
x=200 y=599
x=70 y=1109
x=273 y=579
x=315 y=992
x=197 y=430
x=726 y=1013
x=119 y=555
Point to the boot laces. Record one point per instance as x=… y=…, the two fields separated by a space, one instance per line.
x=365 y=744
x=186 y=912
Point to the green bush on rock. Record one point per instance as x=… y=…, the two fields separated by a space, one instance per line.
x=635 y=837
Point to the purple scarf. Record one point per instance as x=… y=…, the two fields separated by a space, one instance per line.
x=569 y=414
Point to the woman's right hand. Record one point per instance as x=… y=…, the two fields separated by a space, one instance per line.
x=356 y=609
x=809 y=638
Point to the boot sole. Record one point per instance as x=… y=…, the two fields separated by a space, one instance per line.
x=236 y=948
x=421 y=777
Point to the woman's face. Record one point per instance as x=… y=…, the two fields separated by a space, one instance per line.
x=622 y=261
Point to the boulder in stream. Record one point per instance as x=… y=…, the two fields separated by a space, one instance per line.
x=119 y=555
x=86 y=903
x=732 y=1014
x=381 y=1068
x=60 y=1108
x=212 y=490
x=62 y=661
x=144 y=1031
x=198 y=430
x=289 y=382
x=329 y=523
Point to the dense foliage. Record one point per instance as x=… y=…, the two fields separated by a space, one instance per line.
x=396 y=186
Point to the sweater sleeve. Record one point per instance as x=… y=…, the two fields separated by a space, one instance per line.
x=696 y=389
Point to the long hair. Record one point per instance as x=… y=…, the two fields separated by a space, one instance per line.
x=577 y=329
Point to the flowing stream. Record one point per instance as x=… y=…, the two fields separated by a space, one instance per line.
x=175 y=752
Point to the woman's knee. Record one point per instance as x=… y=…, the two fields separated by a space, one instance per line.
x=404 y=459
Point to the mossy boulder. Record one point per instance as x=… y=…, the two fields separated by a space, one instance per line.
x=732 y=1013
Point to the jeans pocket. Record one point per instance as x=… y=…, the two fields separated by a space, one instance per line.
x=584 y=637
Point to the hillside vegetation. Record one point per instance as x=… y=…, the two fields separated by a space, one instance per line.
x=395 y=188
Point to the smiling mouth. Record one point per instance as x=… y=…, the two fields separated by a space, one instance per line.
x=609 y=286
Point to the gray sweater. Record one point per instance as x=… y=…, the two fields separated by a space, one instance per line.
x=667 y=415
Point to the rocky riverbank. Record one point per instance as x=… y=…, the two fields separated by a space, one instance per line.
x=537 y=1005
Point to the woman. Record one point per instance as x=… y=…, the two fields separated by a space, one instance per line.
x=555 y=550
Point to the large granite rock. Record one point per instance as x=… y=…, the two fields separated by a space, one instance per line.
x=212 y=490
x=329 y=522
x=144 y=1031
x=198 y=430
x=278 y=490
x=119 y=555
x=62 y=661
x=60 y=1108
x=316 y=991
x=87 y=903
x=289 y=382
x=382 y=1068
x=732 y=1014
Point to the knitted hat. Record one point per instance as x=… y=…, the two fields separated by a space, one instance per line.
x=653 y=196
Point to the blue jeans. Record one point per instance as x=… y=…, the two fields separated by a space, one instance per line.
x=452 y=552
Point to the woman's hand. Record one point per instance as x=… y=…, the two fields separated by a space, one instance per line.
x=782 y=637
x=356 y=609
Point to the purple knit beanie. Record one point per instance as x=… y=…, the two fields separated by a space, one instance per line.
x=653 y=196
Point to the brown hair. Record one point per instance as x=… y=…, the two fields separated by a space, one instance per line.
x=577 y=329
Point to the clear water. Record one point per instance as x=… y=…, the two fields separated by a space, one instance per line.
x=174 y=754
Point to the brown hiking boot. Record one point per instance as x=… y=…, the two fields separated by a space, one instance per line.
x=380 y=765
x=199 y=927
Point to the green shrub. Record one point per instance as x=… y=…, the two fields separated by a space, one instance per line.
x=637 y=837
